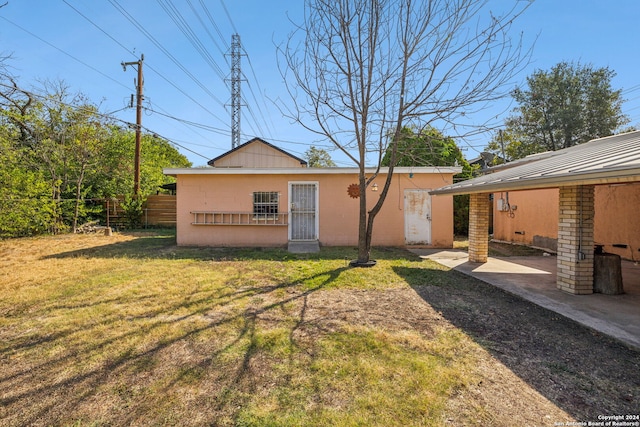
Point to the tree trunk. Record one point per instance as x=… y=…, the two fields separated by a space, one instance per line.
x=364 y=245
x=78 y=194
x=56 y=197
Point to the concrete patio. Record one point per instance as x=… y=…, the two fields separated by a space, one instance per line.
x=534 y=279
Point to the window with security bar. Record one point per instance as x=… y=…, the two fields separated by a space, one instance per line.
x=265 y=204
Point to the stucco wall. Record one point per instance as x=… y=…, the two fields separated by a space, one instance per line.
x=533 y=215
x=338 y=213
x=535 y=221
x=617 y=220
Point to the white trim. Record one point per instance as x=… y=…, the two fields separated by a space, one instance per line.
x=317 y=207
x=307 y=171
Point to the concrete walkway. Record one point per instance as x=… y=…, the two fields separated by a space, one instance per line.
x=534 y=279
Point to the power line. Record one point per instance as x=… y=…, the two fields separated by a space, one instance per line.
x=253 y=115
x=226 y=11
x=215 y=26
x=153 y=40
x=226 y=132
x=64 y=52
x=195 y=41
x=174 y=143
x=187 y=31
x=150 y=67
x=206 y=29
x=138 y=127
x=190 y=127
x=98 y=27
x=224 y=6
x=191 y=123
x=46 y=98
x=269 y=129
x=97 y=113
x=631 y=89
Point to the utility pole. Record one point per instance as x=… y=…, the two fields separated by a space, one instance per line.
x=139 y=84
x=504 y=158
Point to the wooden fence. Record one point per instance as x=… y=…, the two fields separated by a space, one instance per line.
x=158 y=210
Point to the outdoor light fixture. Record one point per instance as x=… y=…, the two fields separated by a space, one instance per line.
x=374 y=187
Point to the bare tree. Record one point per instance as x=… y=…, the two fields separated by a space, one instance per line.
x=359 y=71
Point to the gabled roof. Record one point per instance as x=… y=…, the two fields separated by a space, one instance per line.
x=614 y=159
x=254 y=141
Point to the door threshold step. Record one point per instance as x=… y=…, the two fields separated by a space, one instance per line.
x=304 y=247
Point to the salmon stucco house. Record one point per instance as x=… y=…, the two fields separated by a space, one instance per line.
x=259 y=195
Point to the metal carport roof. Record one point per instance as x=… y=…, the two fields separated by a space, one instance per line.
x=613 y=159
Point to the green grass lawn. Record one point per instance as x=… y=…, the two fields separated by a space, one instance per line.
x=132 y=330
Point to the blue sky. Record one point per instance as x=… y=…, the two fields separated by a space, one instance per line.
x=58 y=40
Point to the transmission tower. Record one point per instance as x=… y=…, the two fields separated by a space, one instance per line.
x=236 y=94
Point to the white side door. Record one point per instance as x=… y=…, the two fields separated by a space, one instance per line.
x=417 y=217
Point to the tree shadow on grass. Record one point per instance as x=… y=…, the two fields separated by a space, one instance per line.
x=53 y=388
x=581 y=371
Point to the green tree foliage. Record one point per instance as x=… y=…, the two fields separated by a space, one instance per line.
x=318 y=158
x=60 y=156
x=567 y=105
x=59 y=134
x=25 y=202
x=157 y=153
x=426 y=147
x=507 y=145
x=133 y=210
x=429 y=147
x=114 y=176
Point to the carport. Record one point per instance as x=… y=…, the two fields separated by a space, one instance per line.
x=575 y=171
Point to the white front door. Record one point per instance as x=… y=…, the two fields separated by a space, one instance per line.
x=303 y=211
x=417 y=217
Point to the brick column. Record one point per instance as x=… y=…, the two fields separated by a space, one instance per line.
x=479 y=205
x=575 y=240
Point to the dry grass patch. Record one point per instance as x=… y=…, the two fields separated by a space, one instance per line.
x=132 y=330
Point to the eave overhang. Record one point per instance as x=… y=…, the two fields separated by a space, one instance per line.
x=593 y=178
x=308 y=171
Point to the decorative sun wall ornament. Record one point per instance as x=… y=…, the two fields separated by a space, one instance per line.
x=354 y=191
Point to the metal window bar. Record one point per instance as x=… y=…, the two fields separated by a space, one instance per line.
x=265 y=205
